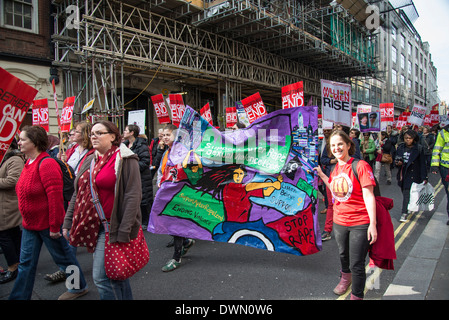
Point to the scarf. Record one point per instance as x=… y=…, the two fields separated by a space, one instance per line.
x=86 y=222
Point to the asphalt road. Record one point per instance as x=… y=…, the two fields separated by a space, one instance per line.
x=220 y=271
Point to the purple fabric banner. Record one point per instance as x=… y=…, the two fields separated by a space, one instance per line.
x=253 y=186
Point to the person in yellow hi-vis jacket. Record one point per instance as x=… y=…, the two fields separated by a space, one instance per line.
x=440 y=160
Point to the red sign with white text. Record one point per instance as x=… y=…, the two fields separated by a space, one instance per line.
x=160 y=108
x=67 y=114
x=231 y=117
x=254 y=107
x=40 y=113
x=293 y=95
x=206 y=114
x=177 y=108
x=16 y=98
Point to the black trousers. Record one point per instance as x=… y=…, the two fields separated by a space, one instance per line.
x=353 y=248
x=10 y=241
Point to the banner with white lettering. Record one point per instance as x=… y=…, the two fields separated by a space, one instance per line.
x=67 y=114
x=177 y=108
x=254 y=107
x=293 y=95
x=231 y=117
x=160 y=108
x=417 y=115
x=206 y=114
x=16 y=98
x=40 y=113
x=336 y=102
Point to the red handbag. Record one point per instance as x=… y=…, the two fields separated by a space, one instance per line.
x=121 y=259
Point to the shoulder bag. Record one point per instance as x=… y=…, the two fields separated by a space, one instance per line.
x=121 y=260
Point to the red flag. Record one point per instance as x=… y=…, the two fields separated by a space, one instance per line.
x=293 y=95
x=254 y=107
x=231 y=117
x=177 y=108
x=206 y=114
x=15 y=100
x=160 y=108
x=40 y=113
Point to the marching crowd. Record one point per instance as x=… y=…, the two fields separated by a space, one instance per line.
x=114 y=171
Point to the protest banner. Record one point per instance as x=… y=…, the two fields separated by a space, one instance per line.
x=137 y=117
x=231 y=117
x=67 y=114
x=88 y=106
x=40 y=113
x=15 y=100
x=160 y=108
x=369 y=122
x=241 y=114
x=435 y=115
x=293 y=95
x=255 y=186
x=254 y=107
x=206 y=114
x=177 y=108
x=336 y=102
x=417 y=115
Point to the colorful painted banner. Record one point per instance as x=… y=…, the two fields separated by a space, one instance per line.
x=40 y=113
x=254 y=107
x=206 y=114
x=231 y=117
x=417 y=115
x=253 y=186
x=336 y=102
x=15 y=100
x=293 y=95
x=67 y=114
x=160 y=108
x=177 y=108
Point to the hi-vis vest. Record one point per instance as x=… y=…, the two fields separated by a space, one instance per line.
x=440 y=154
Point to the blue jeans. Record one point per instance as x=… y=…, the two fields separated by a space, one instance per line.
x=108 y=289
x=443 y=172
x=30 y=250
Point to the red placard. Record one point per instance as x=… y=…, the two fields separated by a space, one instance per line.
x=254 y=107
x=231 y=117
x=293 y=95
x=387 y=112
x=40 y=113
x=15 y=100
x=67 y=114
x=161 y=109
x=206 y=114
x=177 y=108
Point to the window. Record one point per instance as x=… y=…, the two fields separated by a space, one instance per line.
x=19 y=14
x=402 y=80
x=409 y=67
x=410 y=84
x=410 y=48
x=402 y=41
x=394 y=31
x=402 y=61
x=394 y=77
x=394 y=54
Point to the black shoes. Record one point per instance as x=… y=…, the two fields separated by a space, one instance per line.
x=8 y=276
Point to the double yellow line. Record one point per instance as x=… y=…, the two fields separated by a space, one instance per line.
x=371 y=280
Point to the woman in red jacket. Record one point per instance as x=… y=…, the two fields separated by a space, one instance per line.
x=39 y=194
x=354 y=213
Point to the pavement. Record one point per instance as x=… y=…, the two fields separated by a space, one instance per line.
x=424 y=275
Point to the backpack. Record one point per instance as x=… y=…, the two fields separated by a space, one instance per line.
x=68 y=178
x=354 y=170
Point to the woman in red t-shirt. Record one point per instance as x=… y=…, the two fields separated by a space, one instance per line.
x=354 y=213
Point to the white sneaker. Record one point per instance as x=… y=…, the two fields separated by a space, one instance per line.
x=404 y=217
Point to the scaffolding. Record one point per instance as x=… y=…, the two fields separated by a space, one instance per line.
x=234 y=48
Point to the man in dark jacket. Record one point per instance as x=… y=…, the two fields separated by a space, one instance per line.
x=139 y=146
